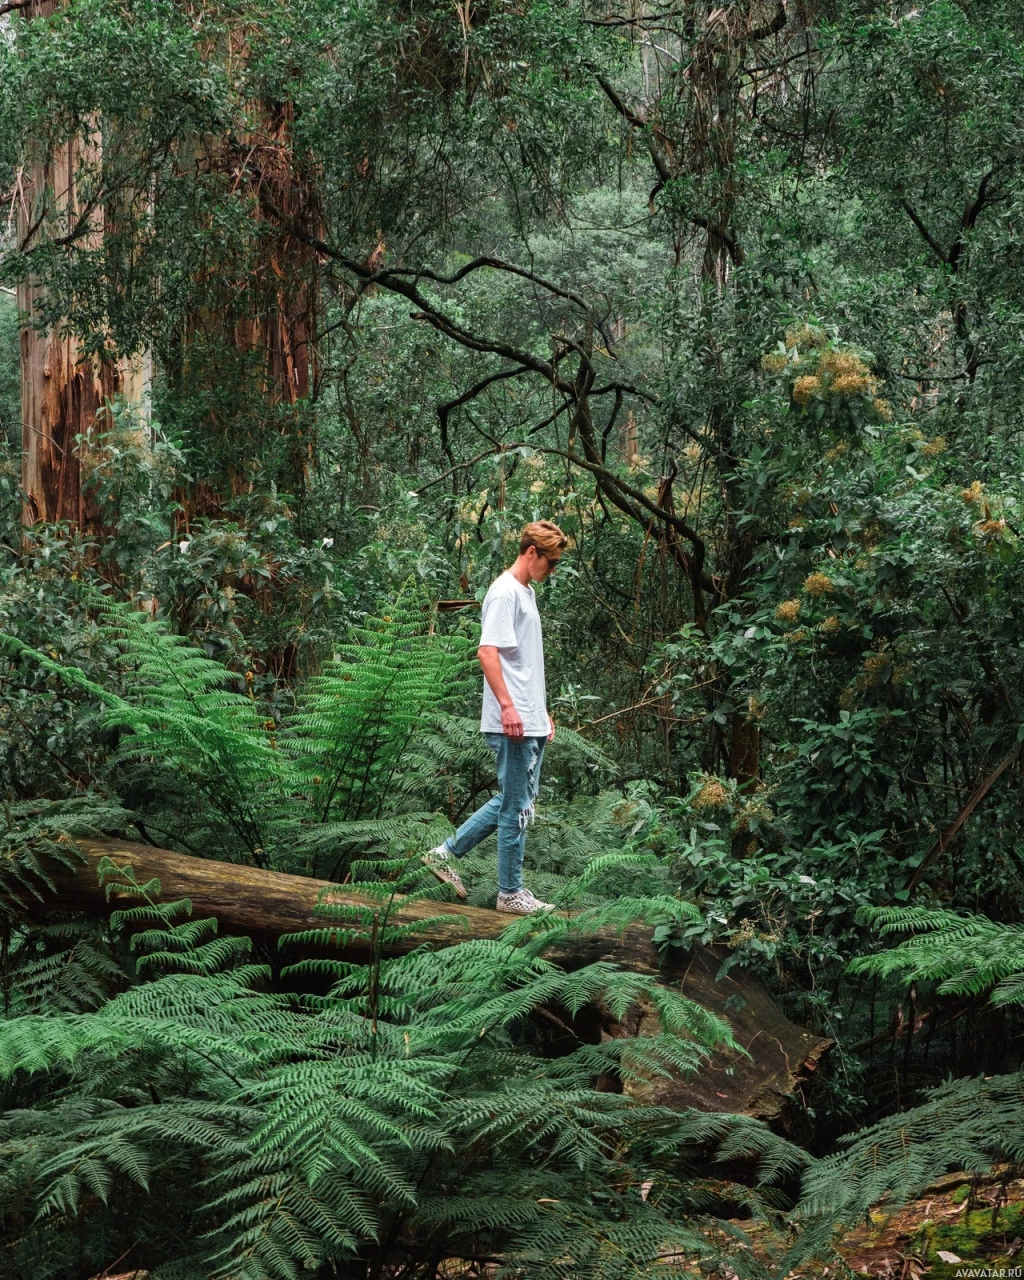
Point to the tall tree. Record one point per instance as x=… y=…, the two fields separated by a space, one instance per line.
x=67 y=384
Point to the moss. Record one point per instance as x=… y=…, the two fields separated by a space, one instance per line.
x=973 y=1238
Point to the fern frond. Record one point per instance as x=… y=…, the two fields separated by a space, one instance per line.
x=966 y=1124
x=966 y=955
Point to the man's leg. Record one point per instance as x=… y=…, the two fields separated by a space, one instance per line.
x=519 y=778
x=484 y=822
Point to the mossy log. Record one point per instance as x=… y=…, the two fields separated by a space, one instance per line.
x=265 y=905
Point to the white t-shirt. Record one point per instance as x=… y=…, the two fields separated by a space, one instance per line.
x=511 y=623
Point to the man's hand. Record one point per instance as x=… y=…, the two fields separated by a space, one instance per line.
x=551 y=735
x=511 y=723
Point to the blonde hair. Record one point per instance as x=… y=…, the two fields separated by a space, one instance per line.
x=544 y=535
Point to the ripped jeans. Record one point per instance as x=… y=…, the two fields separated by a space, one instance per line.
x=509 y=812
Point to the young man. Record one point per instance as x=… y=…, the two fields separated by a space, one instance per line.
x=515 y=719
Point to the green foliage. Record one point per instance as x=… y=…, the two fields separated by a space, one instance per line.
x=188 y=724
x=965 y=955
x=967 y=1124
x=10 y=401
x=758 y=348
x=319 y=1129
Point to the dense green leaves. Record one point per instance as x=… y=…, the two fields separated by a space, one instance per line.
x=735 y=294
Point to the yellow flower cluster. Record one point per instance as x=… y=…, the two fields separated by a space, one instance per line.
x=990 y=528
x=872 y=534
x=755 y=811
x=804 y=335
x=882 y=408
x=805 y=388
x=838 y=364
x=712 y=795
x=745 y=933
x=848 y=375
x=934 y=447
x=850 y=384
x=774 y=362
x=795 y=637
x=818 y=584
x=973 y=493
x=788 y=611
x=875 y=666
x=831 y=624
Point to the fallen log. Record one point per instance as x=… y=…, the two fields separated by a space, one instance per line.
x=268 y=904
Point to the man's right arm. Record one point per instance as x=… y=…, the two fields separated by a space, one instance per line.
x=511 y=721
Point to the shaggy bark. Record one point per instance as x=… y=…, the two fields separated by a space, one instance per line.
x=64 y=390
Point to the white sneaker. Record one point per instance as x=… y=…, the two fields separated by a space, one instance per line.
x=439 y=862
x=521 y=903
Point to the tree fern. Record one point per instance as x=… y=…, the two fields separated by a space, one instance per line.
x=37 y=838
x=965 y=1124
x=335 y=1128
x=347 y=1127
x=966 y=955
x=355 y=720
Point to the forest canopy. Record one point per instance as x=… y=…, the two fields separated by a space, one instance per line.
x=305 y=310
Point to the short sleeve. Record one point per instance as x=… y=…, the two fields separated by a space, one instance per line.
x=497 y=624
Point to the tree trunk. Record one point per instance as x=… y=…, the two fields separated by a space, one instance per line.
x=246 y=353
x=268 y=904
x=64 y=390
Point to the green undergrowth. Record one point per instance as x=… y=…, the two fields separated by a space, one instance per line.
x=984 y=1235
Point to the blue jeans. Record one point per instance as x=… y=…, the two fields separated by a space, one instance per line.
x=509 y=812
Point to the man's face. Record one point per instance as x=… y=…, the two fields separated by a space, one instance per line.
x=540 y=565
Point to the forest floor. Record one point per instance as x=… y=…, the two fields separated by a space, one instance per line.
x=958 y=1229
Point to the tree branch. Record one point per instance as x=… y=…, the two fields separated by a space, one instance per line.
x=952 y=831
x=498 y=264
x=443 y=410
x=772 y=27
x=395 y=282
x=631 y=500
x=926 y=235
x=665 y=173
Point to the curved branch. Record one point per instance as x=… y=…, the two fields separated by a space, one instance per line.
x=770 y=28
x=394 y=281
x=665 y=173
x=443 y=410
x=498 y=264
x=926 y=235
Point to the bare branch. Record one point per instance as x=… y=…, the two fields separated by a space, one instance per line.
x=665 y=173
x=979 y=793
x=926 y=235
x=443 y=410
x=498 y=264
x=771 y=28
